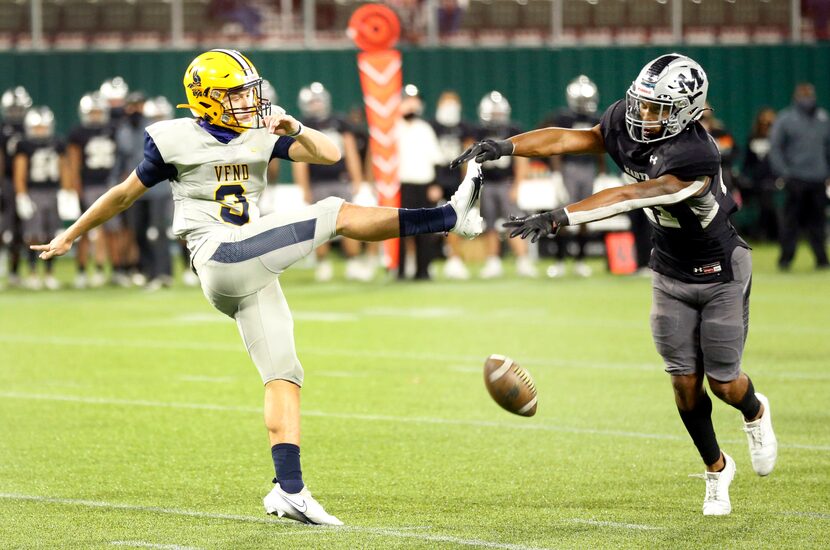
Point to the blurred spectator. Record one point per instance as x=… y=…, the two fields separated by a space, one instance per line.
x=800 y=154
x=341 y=179
x=819 y=12
x=451 y=132
x=412 y=17
x=419 y=153
x=450 y=13
x=758 y=177
x=236 y=11
x=726 y=146
x=578 y=171
x=502 y=178
x=14 y=103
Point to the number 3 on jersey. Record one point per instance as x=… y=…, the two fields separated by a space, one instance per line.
x=234 y=210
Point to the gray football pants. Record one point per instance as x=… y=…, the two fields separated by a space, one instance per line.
x=239 y=275
x=703 y=327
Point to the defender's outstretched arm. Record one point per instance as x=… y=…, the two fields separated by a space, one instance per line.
x=665 y=190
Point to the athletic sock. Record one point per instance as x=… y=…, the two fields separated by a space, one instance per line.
x=749 y=404
x=287 y=467
x=416 y=221
x=698 y=422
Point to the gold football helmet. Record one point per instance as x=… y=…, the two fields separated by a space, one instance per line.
x=224 y=88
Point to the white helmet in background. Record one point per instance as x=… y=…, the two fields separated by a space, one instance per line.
x=15 y=102
x=269 y=92
x=158 y=108
x=39 y=123
x=315 y=101
x=94 y=110
x=115 y=90
x=582 y=95
x=494 y=109
x=667 y=96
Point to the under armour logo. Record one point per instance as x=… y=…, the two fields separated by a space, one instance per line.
x=652 y=159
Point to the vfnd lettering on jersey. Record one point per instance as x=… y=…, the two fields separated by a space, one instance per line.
x=230 y=193
x=692 y=235
x=211 y=195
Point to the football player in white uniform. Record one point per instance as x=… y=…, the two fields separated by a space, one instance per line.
x=217 y=164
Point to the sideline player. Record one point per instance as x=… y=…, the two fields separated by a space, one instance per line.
x=90 y=154
x=217 y=164
x=703 y=269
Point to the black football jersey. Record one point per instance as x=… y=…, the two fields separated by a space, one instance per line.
x=499 y=170
x=576 y=121
x=451 y=143
x=694 y=239
x=10 y=136
x=333 y=127
x=44 y=162
x=98 y=153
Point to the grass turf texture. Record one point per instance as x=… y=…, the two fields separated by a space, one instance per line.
x=138 y=414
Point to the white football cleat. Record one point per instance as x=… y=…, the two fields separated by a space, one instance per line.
x=763 y=446
x=493 y=268
x=455 y=269
x=583 y=270
x=556 y=270
x=465 y=203
x=716 y=502
x=324 y=272
x=526 y=268
x=297 y=506
x=51 y=283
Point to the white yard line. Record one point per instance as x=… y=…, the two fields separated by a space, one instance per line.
x=383 y=354
x=635 y=526
x=91 y=400
x=295 y=529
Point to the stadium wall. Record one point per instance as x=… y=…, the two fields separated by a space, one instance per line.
x=743 y=78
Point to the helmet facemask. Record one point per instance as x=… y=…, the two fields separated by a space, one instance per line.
x=651 y=119
x=241 y=114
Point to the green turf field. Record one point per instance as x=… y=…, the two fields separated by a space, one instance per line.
x=132 y=419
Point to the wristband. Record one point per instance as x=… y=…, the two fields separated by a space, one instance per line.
x=560 y=217
x=298 y=132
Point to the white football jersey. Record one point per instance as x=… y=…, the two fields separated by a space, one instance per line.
x=218 y=185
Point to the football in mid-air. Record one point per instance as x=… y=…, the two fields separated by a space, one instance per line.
x=510 y=385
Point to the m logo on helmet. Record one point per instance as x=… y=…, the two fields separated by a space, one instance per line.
x=690 y=85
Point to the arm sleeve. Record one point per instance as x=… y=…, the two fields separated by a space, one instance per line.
x=280 y=150
x=152 y=169
x=776 y=150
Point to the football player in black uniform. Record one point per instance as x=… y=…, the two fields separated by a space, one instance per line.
x=703 y=269
x=499 y=196
x=91 y=157
x=578 y=171
x=39 y=173
x=341 y=179
x=15 y=103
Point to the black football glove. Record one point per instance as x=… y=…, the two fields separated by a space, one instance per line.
x=483 y=151
x=535 y=227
